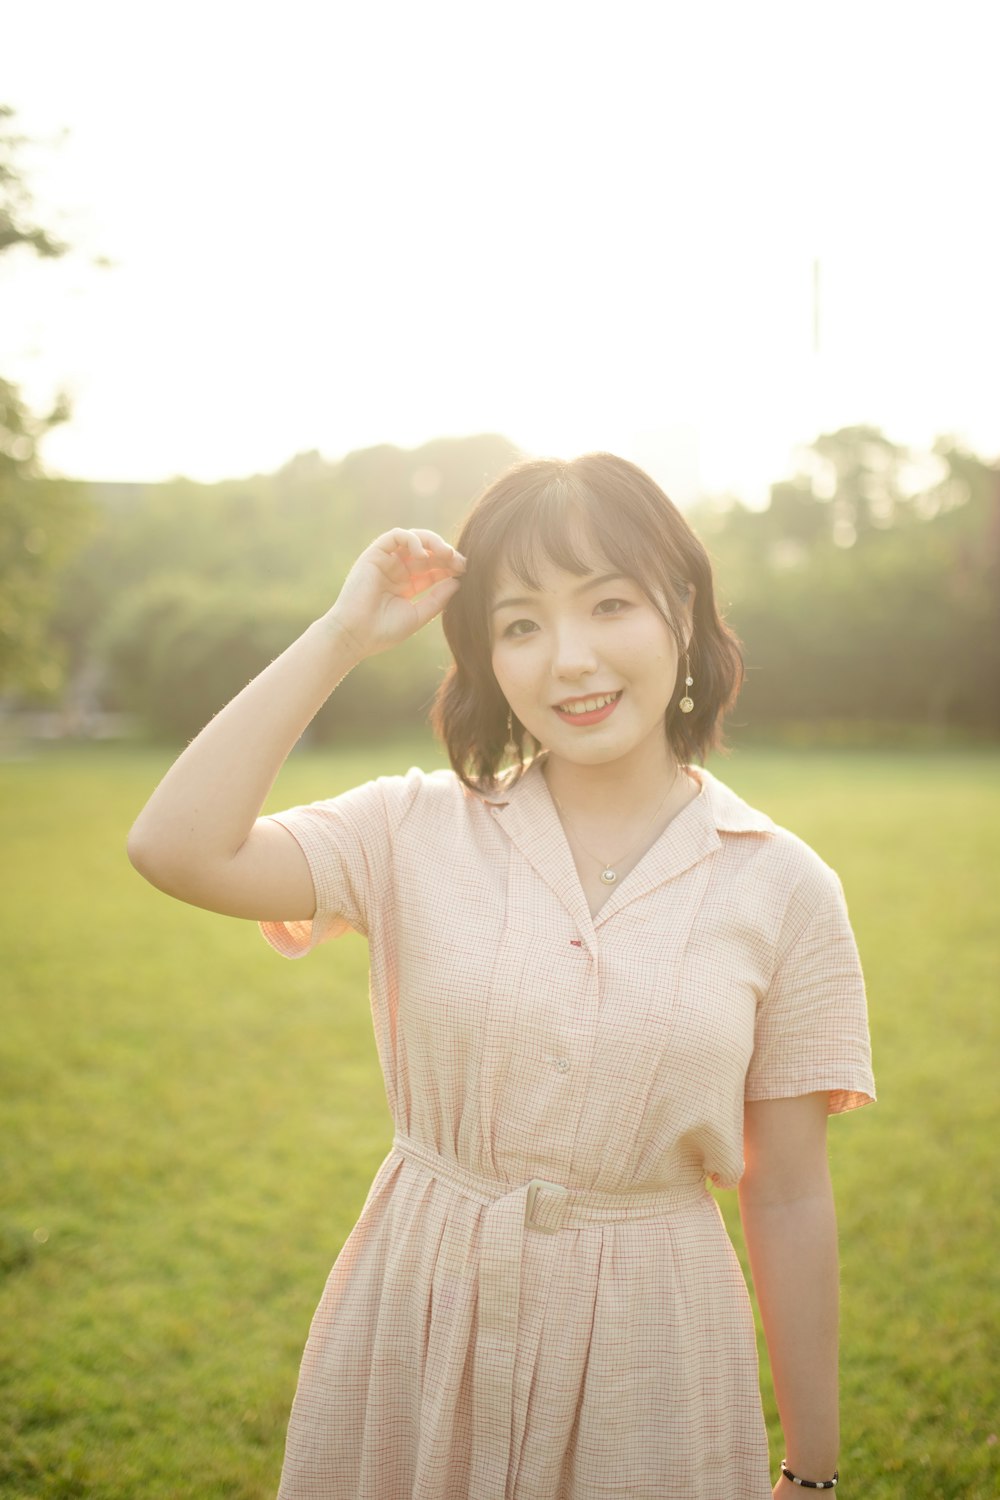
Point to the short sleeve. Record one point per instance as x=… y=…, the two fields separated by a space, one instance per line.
x=812 y=1024
x=347 y=842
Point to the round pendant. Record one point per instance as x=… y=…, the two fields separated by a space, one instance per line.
x=609 y=877
x=686 y=705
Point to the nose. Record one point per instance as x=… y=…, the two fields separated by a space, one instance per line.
x=573 y=654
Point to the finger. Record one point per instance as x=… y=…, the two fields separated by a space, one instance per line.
x=433 y=601
x=400 y=540
x=437 y=544
x=431 y=538
x=394 y=566
x=423 y=578
x=428 y=563
x=417 y=542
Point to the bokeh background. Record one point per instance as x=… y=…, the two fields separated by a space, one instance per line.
x=273 y=282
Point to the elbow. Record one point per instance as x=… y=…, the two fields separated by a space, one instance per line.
x=139 y=854
x=145 y=859
x=172 y=871
x=134 y=848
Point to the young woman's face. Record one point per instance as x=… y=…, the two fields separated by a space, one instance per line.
x=588 y=665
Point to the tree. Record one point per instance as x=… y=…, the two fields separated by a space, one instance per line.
x=186 y=591
x=869 y=589
x=40 y=525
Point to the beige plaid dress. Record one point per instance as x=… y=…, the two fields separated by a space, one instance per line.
x=540 y=1300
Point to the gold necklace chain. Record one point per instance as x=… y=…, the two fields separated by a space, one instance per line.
x=608 y=873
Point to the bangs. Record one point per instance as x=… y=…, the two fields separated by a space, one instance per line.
x=567 y=526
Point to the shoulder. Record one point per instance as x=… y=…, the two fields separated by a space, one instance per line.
x=806 y=880
x=390 y=797
x=439 y=794
x=781 y=860
x=437 y=797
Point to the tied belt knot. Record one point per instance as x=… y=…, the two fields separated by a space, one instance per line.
x=537 y=1206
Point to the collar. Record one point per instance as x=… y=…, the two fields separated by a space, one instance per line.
x=524 y=808
x=727 y=811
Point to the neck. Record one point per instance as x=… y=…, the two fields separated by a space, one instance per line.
x=619 y=788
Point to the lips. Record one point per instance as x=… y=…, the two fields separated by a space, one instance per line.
x=589 y=710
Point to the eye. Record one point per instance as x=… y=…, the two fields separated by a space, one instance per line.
x=613 y=606
x=514 y=630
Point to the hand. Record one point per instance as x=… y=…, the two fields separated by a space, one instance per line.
x=402 y=580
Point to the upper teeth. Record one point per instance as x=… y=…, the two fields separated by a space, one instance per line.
x=587 y=705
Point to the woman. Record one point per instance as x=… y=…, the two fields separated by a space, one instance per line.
x=599 y=978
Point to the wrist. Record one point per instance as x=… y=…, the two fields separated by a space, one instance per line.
x=821 y=1478
x=332 y=630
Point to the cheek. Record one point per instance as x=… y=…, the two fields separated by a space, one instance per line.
x=513 y=672
x=500 y=661
x=651 y=645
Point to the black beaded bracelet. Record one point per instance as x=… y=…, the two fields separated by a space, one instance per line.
x=811 y=1484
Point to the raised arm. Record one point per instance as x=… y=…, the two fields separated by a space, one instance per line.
x=200 y=836
x=790 y=1228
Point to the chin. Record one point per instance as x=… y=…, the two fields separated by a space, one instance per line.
x=591 y=755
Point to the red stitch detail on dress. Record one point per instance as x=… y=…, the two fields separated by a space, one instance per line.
x=577 y=942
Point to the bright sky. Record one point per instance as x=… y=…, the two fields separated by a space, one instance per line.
x=348 y=222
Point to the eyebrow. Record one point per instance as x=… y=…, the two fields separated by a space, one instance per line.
x=588 y=583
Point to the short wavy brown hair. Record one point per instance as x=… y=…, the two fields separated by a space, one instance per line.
x=526 y=514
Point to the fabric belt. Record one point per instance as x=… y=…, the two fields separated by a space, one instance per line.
x=545 y=1208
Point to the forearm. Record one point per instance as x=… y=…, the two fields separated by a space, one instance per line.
x=792 y=1248
x=207 y=803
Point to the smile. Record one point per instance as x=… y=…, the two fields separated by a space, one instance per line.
x=589 y=710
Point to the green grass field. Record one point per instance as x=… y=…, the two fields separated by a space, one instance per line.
x=190 y=1125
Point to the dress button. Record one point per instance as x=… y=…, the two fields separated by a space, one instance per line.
x=562 y=1063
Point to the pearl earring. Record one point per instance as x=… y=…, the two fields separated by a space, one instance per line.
x=687 y=702
x=511 y=747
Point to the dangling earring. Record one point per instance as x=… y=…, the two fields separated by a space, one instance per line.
x=511 y=746
x=687 y=702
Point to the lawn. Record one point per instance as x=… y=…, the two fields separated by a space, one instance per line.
x=190 y=1126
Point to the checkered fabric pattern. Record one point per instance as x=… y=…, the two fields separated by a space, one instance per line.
x=540 y=1300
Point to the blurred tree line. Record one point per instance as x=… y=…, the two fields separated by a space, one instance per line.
x=39 y=525
x=186 y=591
x=867 y=592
